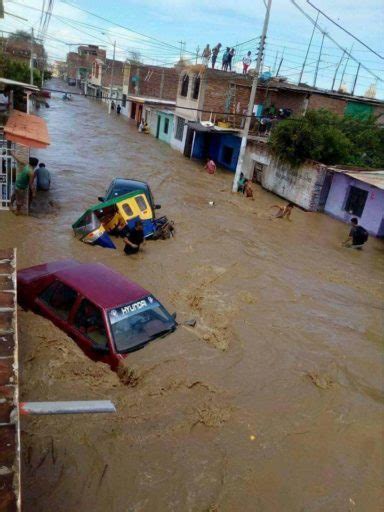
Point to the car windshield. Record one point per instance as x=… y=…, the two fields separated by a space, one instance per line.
x=137 y=323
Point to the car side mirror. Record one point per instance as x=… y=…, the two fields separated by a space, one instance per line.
x=174 y=315
x=157 y=206
x=101 y=199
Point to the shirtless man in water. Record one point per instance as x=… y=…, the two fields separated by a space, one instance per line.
x=283 y=211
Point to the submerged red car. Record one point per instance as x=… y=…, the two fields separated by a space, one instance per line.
x=106 y=314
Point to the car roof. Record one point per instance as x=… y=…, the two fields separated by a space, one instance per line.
x=101 y=285
x=125 y=181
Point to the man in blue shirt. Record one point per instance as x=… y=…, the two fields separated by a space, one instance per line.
x=43 y=178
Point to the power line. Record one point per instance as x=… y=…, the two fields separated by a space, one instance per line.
x=333 y=40
x=122 y=26
x=344 y=29
x=225 y=113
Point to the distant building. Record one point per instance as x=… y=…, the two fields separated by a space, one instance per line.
x=99 y=83
x=79 y=64
x=147 y=89
x=201 y=129
x=19 y=49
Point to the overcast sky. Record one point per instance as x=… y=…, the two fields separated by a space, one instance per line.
x=230 y=22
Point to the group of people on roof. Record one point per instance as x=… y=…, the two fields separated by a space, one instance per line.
x=226 y=63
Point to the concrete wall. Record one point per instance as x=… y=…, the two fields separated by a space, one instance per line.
x=372 y=218
x=302 y=185
x=187 y=101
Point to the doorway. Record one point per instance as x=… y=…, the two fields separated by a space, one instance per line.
x=188 y=143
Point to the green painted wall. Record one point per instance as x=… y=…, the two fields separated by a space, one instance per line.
x=359 y=110
x=166 y=127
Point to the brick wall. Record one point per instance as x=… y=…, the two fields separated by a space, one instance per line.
x=379 y=113
x=20 y=50
x=335 y=105
x=118 y=73
x=9 y=414
x=281 y=99
x=224 y=92
x=153 y=81
x=75 y=61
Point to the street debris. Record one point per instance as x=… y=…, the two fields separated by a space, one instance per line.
x=321 y=381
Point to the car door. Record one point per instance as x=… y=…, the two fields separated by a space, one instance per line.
x=88 y=323
x=56 y=302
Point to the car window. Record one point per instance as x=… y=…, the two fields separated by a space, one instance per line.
x=60 y=298
x=141 y=203
x=89 y=320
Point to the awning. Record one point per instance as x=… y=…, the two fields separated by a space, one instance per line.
x=26 y=129
x=29 y=87
x=199 y=127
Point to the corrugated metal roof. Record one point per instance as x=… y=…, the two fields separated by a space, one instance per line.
x=374 y=177
x=7 y=81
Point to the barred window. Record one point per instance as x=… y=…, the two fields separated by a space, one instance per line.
x=179 y=128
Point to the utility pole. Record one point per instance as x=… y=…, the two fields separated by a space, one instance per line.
x=354 y=83
x=31 y=60
x=197 y=53
x=247 y=123
x=281 y=62
x=318 y=60
x=337 y=69
x=110 y=86
x=345 y=67
x=309 y=46
x=182 y=43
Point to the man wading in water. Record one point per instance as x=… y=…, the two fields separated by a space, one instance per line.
x=24 y=183
x=134 y=239
x=357 y=236
x=283 y=211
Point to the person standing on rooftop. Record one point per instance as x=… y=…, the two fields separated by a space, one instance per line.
x=215 y=53
x=224 y=66
x=246 y=63
x=231 y=54
x=206 y=55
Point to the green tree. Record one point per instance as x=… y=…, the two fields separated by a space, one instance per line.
x=330 y=139
x=19 y=71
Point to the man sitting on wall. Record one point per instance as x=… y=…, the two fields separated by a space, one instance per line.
x=357 y=236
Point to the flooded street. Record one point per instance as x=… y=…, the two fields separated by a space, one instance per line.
x=273 y=402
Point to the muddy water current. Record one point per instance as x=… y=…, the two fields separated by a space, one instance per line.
x=272 y=402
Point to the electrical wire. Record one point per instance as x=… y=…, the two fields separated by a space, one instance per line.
x=226 y=113
x=123 y=27
x=334 y=41
x=344 y=29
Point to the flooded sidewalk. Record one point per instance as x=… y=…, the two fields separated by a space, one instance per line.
x=274 y=401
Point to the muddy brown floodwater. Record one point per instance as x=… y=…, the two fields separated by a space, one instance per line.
x=273 y=402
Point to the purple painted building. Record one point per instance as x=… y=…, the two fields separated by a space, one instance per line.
x=357 y=193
